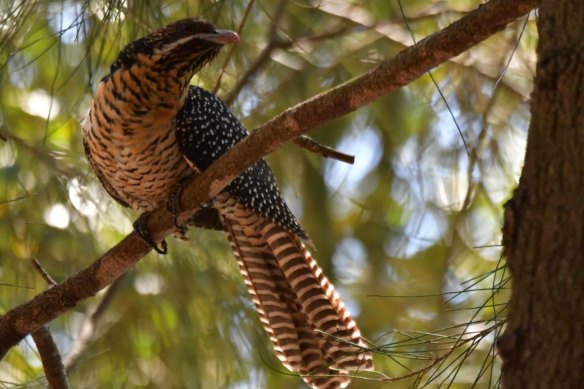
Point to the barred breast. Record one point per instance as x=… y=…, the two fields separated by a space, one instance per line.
x=133 y=148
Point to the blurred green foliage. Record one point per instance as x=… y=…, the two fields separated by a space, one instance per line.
x=414 y=221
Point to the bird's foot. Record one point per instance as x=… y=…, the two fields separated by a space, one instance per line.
x=141 y=228
x=174 y=207
x=203 y=216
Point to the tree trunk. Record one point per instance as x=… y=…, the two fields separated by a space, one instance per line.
x=543 y=346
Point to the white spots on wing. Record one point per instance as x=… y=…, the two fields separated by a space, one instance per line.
x=206 y=130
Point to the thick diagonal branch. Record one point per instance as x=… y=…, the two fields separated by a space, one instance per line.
x=386 y=77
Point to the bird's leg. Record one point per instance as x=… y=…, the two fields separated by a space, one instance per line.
x=174 y=207
x=203 y=216
x=141 y=228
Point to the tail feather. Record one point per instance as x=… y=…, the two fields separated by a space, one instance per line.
x=342 y=345
x=294 y=300
x=264 y=284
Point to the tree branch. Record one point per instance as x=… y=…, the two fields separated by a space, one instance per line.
x=51 y=359
x=310 y=144
x=410 y=64
x=48 y=350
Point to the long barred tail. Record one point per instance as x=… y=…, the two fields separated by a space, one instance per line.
x=312 y=331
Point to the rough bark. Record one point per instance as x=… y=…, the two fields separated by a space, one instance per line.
x=543 y=346
x=386 y=77
x=51 y=359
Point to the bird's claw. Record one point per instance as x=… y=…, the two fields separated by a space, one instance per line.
x=141 y=228
x=175 y=209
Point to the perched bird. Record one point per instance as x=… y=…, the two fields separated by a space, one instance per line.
x=148 y=129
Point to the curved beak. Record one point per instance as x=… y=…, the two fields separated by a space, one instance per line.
x=221 y=37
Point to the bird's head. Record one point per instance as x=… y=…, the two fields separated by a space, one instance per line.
x=181 y=48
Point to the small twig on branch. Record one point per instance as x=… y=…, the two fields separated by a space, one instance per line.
x=310 y=144
x=48 y=279
x=48 y=350
x=407 y=66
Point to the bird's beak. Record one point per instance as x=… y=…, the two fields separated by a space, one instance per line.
x=221 y=37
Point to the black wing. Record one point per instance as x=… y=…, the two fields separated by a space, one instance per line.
x=206 y=129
